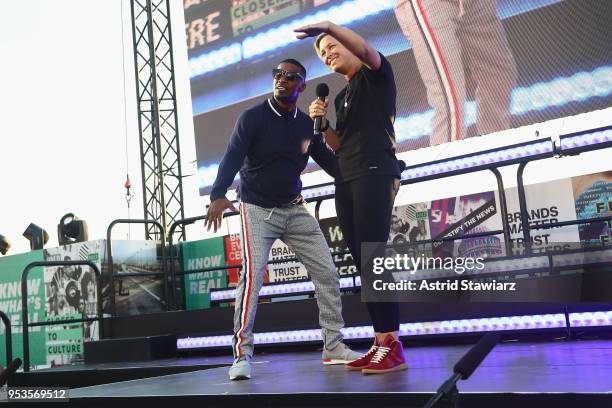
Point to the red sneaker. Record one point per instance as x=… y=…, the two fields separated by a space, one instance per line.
x=362 y=361
x=388 y=357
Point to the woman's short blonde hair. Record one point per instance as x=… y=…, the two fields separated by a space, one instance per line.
x=318 y=41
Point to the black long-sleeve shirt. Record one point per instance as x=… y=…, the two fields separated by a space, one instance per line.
x=365 y=111
x=270 y=146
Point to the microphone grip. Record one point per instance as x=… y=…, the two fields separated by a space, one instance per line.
x=318 y=119
x=317 y=125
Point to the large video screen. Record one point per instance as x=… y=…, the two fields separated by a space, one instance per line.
x=463 y=68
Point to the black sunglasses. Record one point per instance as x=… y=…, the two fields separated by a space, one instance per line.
x=277 y=73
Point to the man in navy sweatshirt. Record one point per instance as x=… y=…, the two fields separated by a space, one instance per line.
x=270 y=145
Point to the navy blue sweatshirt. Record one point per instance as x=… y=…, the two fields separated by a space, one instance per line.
x=270 y=146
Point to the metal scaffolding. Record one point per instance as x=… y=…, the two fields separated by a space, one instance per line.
x=157 y=116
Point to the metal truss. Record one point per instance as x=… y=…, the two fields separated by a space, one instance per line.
x=157 y=116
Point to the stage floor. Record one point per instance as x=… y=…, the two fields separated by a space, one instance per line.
x=582 y=367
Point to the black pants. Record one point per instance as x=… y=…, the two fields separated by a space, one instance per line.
x=364 y=210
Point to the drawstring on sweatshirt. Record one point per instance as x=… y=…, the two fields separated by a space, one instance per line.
x=270 y=215
x=461 y=8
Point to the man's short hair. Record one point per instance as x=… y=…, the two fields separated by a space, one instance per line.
x=296 y=63
x=318 y=41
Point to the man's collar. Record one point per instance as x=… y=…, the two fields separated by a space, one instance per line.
x=279 y=110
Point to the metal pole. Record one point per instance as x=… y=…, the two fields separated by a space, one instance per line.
x=9 y=337
x=503 y=207
x=109 y=256
x=24 y=301
x=317 y=209
x=523 y=207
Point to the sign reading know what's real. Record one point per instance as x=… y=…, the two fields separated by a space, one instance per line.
x=204 y=254
x=11 y=268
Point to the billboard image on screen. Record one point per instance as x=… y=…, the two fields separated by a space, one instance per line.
x=462 y=68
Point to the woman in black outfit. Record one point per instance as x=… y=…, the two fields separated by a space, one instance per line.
x=368 y=171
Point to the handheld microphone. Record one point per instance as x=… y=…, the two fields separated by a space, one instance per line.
x=322 y=93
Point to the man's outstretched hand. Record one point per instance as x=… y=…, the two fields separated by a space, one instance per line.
x=312 y=30
x=215 y=213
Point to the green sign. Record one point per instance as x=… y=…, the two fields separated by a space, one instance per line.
x=65 y=339
x=11 y=268
x=204 y=254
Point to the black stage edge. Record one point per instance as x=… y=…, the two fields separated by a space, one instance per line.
x=86 y=375
x=555 y=374
x=130 y=349
x=353 y=400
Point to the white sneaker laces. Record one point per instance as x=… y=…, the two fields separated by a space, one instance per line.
x=380 y=354
x=372 y=350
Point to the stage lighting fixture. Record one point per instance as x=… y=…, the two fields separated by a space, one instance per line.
x=71 y=229
x=591 y=319
x=294 y=288
x=505 y=323
x=5 y=245
x=584 y=141
x=37 y=236
x=480 y=161
x=322 y=190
